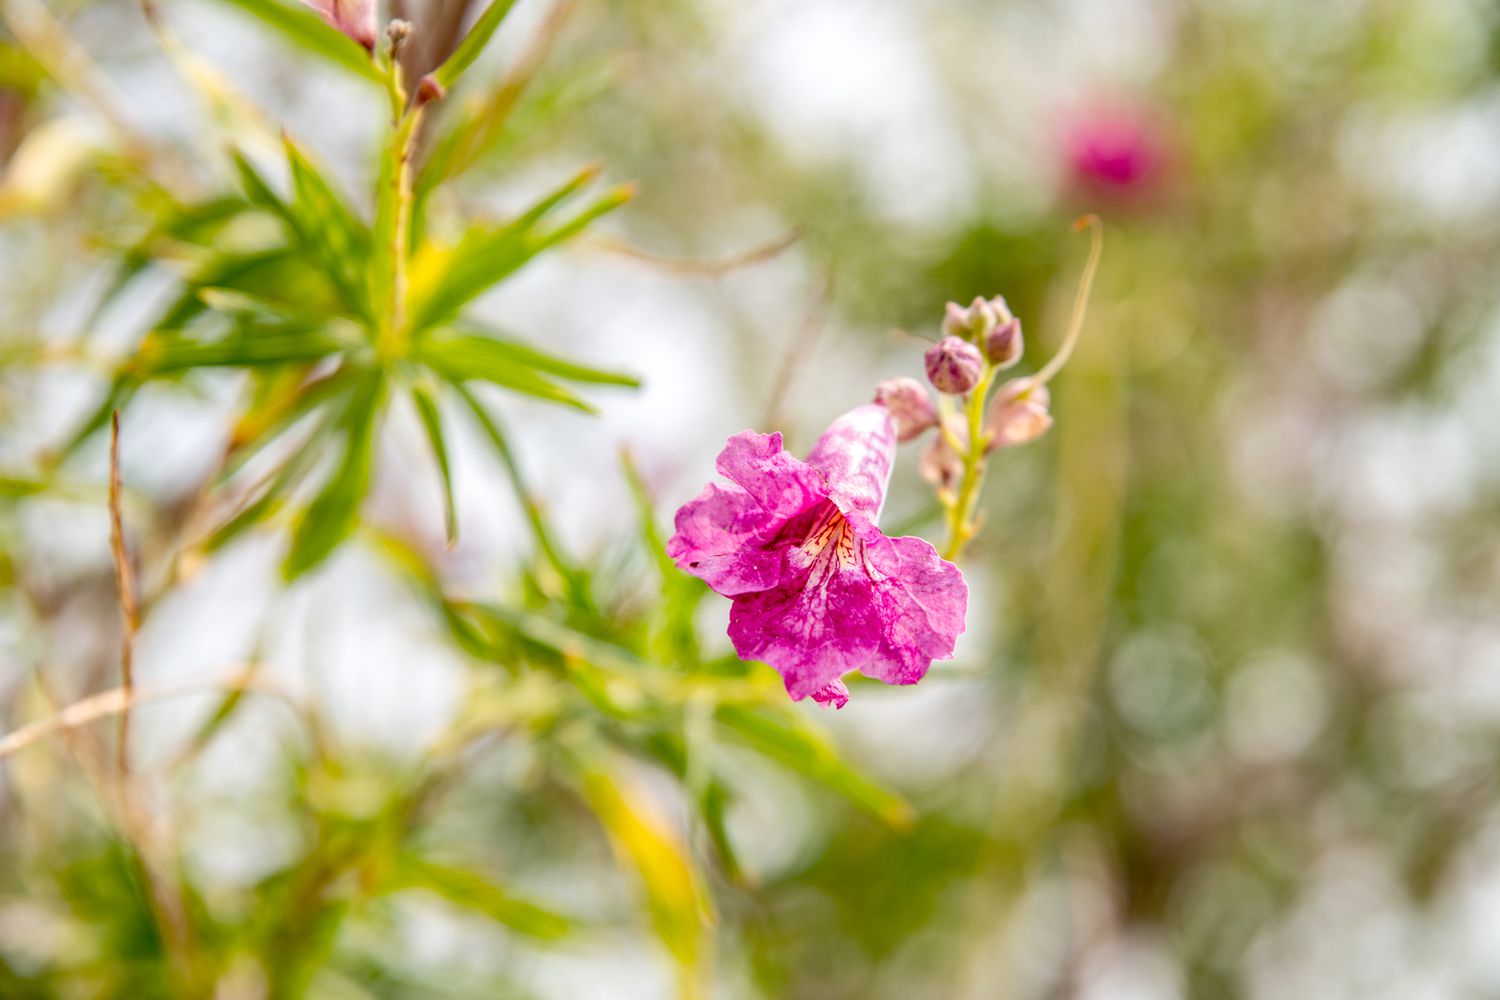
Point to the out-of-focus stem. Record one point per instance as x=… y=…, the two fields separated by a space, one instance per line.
x=125 y=585
x=961 y=525
x=120 y=700
x=401 y=232
x=405 y=121
x=1080 y=299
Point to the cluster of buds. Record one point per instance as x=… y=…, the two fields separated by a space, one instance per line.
x=989 y=325
x=978 y=342
x=976 y=413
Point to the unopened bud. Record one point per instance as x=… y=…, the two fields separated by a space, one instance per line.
x=954 y=366
x=956 y=321
x=976 y=320
x=397 y=32
x=910 y=405
x=428 y=89
x=1003 y=344
x=1019 y=415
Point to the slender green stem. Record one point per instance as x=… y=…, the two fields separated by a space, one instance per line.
x=393 y=329
x=961 y=525
x=1080 y=299
x=401 y=233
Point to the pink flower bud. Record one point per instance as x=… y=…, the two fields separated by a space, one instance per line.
x=428 y=90
x=956 y=321
x=910 y=405
x=954 y=366
x=1003 y=344
x=977 y=319
x=1019 y=414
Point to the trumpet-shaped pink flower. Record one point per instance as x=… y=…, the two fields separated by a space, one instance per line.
x=818 y=590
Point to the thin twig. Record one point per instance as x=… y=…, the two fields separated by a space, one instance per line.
x=694 y=267
x=119 y=701
x=125 y=585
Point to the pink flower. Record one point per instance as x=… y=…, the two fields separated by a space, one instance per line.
x=818 y=590
x=355 y=18
x=1115 y=150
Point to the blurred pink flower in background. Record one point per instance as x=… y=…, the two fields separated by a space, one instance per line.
x=1114 y=150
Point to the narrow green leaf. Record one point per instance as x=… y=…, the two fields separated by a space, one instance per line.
x=254 y=309
x=504 y=348
x=668 y=748
x=319 y=221
x=301 y=26
x=554 y=640
x=800 y=747
x=612 y=199
x=474 y=42
x=466 y=358
x=332 y=515
x=282 y=399
x=495 y=122
x=573 y=578
x=331 y=231
x=487 y=255
x=432 y=422
x=258 y=191
x=121 y=389
x=241 y=272
x=16 y=487
x=249 y=347
x=276 y=492
x=674 y=635
x=473 y=891
x=194 y=224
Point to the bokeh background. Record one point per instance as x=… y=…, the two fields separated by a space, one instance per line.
x=1226 y=720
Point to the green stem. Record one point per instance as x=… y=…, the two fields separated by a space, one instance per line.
x=961 y=513
x=394 y=330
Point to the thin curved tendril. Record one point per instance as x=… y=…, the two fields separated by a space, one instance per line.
x=1080 y=301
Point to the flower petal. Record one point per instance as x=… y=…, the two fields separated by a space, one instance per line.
x=856 y=453
x=780 y=482
x=921 y=600
x=718 y=540
x=813 y=627
x=834 y=694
